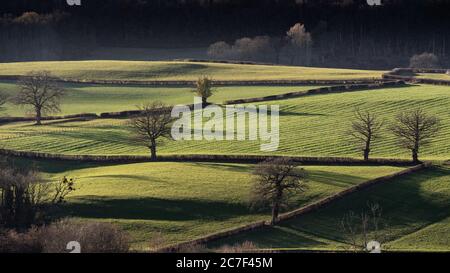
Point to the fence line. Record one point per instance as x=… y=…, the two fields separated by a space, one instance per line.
x=321 y=90
x=190 y=83
x=250 y=159
x=404 y=74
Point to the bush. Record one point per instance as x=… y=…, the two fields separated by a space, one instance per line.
x=14 y=242
x=257 y=49
x=26 y=198
x=424 y=60
x=220 y=50
x=93 y=238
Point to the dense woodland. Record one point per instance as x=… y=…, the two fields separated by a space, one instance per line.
x=345 y=33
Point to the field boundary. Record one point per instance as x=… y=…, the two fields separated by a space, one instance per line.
x=250 y=159
x=314 y=91
x=186 y=83
x=294 y=213
x=322 y=90
x=399 y=74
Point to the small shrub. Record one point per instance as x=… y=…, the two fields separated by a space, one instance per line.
x=424 y=60
x=15 y=242
x=93 y=237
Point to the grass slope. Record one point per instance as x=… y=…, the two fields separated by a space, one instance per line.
x=139 y=70
x=84 y=98
x=416 y=209
x=182 y=200
x=435 y=76
x=434 y=237
x=309 y=126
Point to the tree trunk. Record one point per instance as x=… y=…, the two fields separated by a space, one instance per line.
x=415 y=156
x=367 y=151
x=204 y=102
x=38 y=116
x=153 y=150
x=275 y=211
x=276 y=204
x=366 y=155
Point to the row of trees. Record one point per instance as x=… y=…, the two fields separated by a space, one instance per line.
x=346 y=33
x=294 y=48
x=413 y=129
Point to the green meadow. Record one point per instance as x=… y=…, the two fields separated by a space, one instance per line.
x=141 y=71
x=183 y=200
x=88 y=98
x=309 y=126
x=415 y=213
x=435 y=76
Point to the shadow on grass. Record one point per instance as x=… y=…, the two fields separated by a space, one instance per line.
x=270 y=237
x=334 y=179
x=154 y=209
x=408 y=204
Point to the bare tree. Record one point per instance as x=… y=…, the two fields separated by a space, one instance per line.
x=424 y=60
x=220 y=50
x=204 y=89
x=151 y=124
x=415 y=129
x=275 y=179
x=360 y=229
x=366 y=127
x=39 y=91
x=300 y=42
x=25 y=197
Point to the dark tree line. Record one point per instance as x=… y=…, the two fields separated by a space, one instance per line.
x=345 y=33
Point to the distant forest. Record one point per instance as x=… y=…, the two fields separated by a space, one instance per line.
x=344 y=33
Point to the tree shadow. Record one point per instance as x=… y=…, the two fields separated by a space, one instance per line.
x=334 y=179
x=153 y=209
x=270 y=237
x=406 y=208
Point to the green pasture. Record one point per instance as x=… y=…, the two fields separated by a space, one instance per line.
x=141 y=71
x=309 y=126
x=415 y=213
x=183 y=200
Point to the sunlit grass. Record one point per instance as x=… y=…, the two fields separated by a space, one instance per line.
x=183 y=200
x=140 y=70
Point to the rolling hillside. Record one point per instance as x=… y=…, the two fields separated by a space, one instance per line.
x=309 y=126
x=139 y=70
x=182 y=200
x=415 y=210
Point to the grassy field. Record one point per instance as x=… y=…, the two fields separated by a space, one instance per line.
x=84 y=98
x=309 y=126
x=434 y=76
x=139 y=70
x=418 y=222
x=182 y=200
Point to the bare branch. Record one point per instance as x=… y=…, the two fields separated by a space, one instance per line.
x=40 y=91
x=151 y=124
